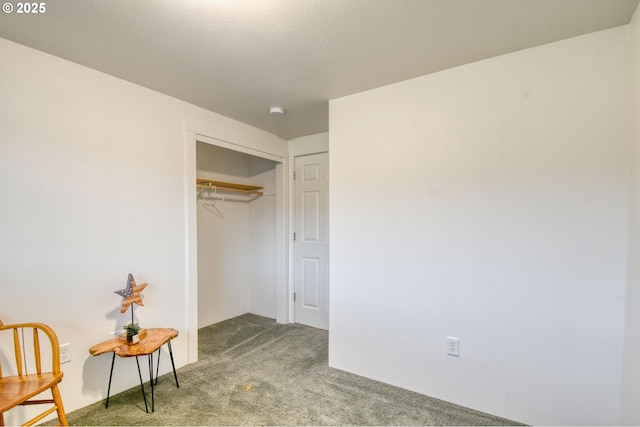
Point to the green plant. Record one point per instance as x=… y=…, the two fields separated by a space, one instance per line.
x=132 y=329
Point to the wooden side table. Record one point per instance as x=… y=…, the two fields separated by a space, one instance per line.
x=154 y=339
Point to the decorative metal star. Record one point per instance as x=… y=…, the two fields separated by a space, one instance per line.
x=132 y=294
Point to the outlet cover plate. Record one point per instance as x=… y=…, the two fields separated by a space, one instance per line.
x=453 y=346
x=65 y=353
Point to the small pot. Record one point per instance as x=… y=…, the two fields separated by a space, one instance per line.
x=133 y=339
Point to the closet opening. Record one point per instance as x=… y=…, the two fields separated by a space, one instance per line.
x=238 y=248
x=236 y=234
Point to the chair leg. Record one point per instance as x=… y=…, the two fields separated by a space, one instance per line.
x=1 y=415
x=57 y=399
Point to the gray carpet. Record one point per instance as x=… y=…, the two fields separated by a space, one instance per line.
x=253 y=371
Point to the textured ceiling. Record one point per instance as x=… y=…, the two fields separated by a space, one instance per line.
x=239 y=57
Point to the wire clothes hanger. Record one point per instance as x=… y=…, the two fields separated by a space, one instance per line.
x=210 y=200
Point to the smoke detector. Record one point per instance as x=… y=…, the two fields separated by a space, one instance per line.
x=276 y=111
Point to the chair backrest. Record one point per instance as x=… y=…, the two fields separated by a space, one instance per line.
x=24 y=339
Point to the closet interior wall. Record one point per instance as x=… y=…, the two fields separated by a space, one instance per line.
x=236 y=237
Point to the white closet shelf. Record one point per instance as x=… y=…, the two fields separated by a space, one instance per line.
x=229 y=187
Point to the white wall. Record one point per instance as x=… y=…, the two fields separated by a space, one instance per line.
x=630 y=413
x=92 y=188
x=488 y=202
x=310 y=144
x=262 y=264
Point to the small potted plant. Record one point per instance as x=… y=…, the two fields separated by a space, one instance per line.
x=132 y=330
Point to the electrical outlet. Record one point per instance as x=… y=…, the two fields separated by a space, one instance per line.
x=453 y=346
x=65 y=353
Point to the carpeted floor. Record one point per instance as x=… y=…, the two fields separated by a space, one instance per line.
x=253 y=371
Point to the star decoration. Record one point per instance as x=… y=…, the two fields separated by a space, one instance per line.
x=131 y=294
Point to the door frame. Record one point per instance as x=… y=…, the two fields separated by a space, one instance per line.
x=304 y=146
x=199 y=133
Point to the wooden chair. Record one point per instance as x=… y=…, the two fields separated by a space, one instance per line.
x=20 y=389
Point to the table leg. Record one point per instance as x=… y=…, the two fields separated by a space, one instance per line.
x=158 y=365
x=175 y=375
x=173 y=364
x=150 y=359
x=144 y=395
x=113 y=359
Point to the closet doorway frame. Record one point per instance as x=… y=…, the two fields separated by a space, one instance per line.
x=282 y=249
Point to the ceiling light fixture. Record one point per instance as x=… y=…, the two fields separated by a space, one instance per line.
x=276 y=111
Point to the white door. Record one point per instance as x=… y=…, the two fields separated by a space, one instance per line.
x=311 y=240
